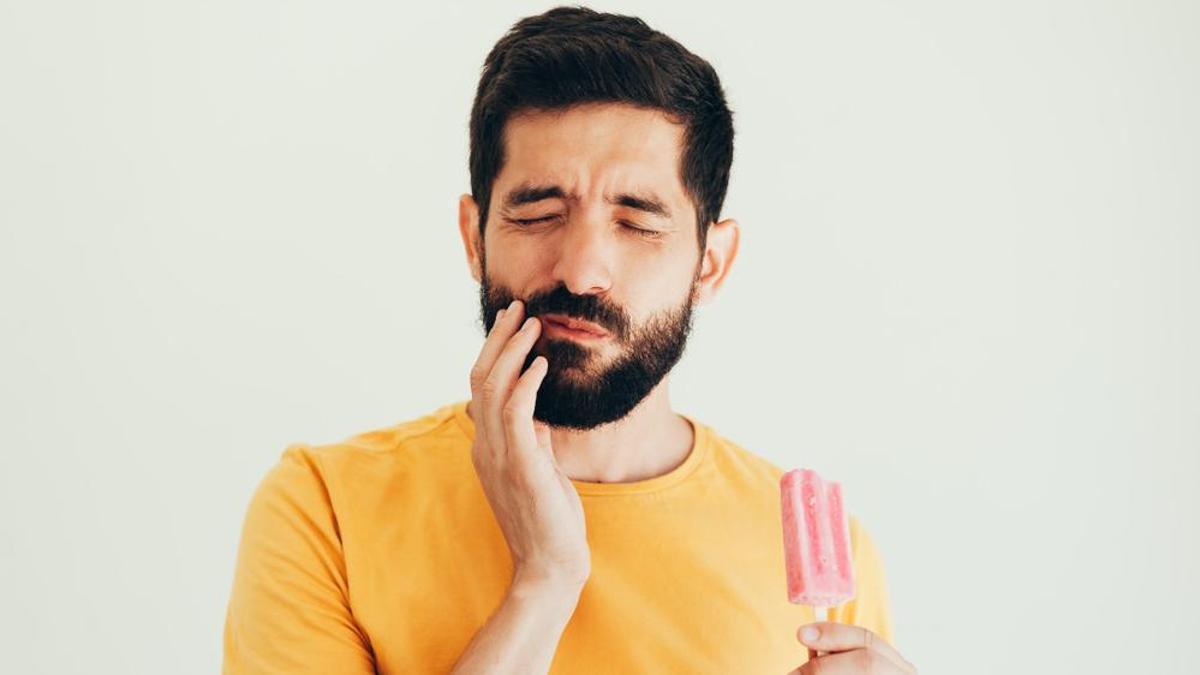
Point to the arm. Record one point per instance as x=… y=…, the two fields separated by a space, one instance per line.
x=535 y=505
x=523 y=634
x=289 y=610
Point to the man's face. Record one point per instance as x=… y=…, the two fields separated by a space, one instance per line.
x=589 y=222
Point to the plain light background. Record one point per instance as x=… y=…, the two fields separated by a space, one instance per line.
x=967 y=289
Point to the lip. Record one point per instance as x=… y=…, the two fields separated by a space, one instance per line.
x=572 y=328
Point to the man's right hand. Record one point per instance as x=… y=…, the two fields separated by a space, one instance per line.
x=534 y=502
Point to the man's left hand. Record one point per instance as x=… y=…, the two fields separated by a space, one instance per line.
x=848 y=650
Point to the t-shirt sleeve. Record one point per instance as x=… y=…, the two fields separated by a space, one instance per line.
x=289 y=610
x=869 y=608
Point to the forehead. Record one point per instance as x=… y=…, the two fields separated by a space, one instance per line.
x=596 y=149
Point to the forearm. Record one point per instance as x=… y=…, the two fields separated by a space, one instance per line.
x=523 y=634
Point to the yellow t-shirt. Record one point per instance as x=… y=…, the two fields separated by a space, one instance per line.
x=381 y=554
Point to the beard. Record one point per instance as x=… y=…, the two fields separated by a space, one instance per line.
x=579 y=391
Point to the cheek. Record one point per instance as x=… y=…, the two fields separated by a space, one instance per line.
x=517 y=256
x=513 y=263
x=658 y=287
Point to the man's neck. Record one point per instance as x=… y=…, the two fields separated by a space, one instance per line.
x=648 y=442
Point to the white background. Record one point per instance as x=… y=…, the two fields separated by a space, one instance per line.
x=967 y=289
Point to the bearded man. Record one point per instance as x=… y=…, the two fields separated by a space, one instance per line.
x=564 y=519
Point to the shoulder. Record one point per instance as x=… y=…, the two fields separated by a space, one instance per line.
x=737 y=463
x=396 y=439
x=410 y=440
x=369 y=460
x=759 y=474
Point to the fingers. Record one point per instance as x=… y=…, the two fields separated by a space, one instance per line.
x=501 y=331
x=497 y=388
x=507 y=321
x=854 y=662
x=518 y=412
x=829 y=636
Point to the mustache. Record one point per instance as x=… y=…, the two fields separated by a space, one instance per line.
x=594 y=308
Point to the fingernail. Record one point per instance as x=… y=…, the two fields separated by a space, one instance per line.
x=527 y=324
x=513 y=304
x=500 y=315
x=810 y=634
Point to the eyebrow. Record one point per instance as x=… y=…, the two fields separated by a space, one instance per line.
x=528 y=194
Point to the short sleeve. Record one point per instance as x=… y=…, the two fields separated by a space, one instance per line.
x=289 y=610
x=869 y=608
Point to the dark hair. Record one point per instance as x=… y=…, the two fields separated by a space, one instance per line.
x=573 y=55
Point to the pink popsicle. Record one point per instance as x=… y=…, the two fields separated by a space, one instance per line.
x=816 y=540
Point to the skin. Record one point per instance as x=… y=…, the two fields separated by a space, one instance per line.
x=840 y=649
x=592 y=152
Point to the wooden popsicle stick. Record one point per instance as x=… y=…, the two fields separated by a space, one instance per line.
x=820 y=614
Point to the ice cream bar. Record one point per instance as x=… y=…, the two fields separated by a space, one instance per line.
x=816 y=540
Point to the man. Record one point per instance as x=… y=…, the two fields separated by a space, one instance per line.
x=563 y=519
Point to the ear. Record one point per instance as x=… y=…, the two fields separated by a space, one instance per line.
x=719 y=253
x=468 y=229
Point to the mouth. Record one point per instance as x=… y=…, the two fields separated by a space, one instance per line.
x=565 y=326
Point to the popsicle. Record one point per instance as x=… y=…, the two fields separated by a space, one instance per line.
x=816 y=541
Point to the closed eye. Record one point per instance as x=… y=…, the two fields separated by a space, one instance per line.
x=639 y=231
x=643 y=232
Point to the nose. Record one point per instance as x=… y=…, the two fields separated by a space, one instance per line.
x=585 y=253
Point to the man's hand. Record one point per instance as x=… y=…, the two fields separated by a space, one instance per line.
x=534 y=502
x=848 y=650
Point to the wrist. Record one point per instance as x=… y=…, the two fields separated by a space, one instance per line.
x=551 y=578
x=546 y=590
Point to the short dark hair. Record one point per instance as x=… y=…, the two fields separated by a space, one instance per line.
x=569 y=56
